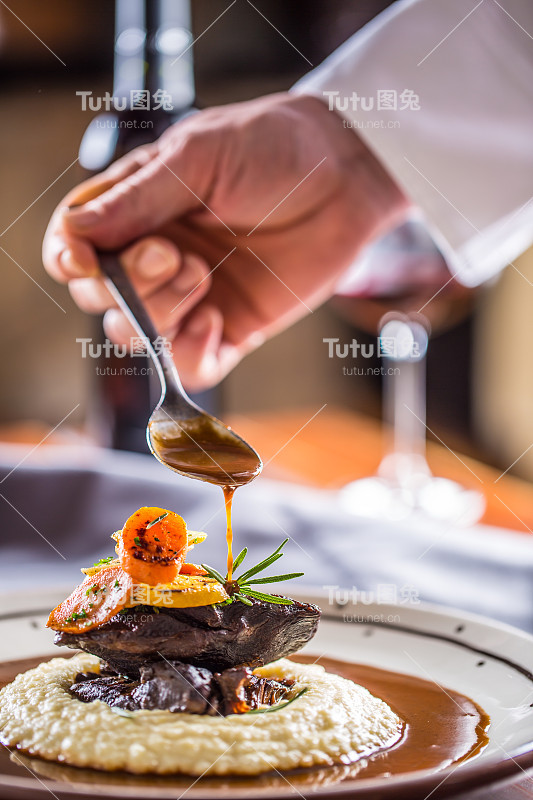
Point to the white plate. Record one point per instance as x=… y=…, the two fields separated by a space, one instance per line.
x=490 y=662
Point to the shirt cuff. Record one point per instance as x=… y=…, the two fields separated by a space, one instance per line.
x=443 y=96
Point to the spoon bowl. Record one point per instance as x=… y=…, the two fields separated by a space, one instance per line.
x=201 y=447
x=180 y=434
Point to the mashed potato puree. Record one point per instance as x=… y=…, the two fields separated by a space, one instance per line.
x=335 y=720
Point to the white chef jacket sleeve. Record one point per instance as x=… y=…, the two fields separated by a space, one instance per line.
x=442 y=92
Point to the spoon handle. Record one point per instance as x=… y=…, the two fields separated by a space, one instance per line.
x=132 y=306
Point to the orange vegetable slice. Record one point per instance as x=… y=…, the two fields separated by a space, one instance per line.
x=152 y=545
x=93 y=602
x=187 y=591
x=191 y=569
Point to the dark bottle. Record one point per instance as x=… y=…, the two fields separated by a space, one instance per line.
x=153 y=86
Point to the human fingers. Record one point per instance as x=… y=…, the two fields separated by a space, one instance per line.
x=168 y=305
x=66 y=255
x=150 y=263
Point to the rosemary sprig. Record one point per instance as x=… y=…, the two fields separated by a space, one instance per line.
x=214 y=573
x=155 y=521
x=240 y=558
x=267 y=598
x=242 y=598
x=240 y=588
x=280 y=705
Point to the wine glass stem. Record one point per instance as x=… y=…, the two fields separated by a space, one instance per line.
x=404 y=411
x=406 y=406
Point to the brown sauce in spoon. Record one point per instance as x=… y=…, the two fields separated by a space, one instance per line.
x=197 y=448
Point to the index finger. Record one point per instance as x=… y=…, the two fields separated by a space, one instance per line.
x=68 y=255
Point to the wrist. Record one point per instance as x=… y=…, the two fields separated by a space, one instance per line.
x=377 y=202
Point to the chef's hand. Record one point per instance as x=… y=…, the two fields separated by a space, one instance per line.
x=234 y=224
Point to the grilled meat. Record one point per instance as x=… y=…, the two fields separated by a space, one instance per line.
x=215 y=637
x=178 y=687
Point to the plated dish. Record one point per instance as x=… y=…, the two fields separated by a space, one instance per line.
x=417 y=641
x=183 y=670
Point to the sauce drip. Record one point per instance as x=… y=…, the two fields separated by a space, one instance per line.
x=229 y=491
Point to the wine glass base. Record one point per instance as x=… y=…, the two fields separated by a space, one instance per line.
x=431 y=499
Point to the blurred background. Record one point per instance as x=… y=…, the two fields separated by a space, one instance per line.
x=479 y=370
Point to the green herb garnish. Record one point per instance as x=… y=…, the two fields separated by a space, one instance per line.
x=103 y=561
x=116 y=584
x=76 y=615
x=278 y=707
x=240 y=588
x=155 y=521
x=137 y=540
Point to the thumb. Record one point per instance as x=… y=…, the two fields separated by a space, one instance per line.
x=169 y=185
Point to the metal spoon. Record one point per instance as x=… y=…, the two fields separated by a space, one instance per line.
x=181 y=435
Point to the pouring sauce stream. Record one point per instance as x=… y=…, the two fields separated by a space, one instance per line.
x=199 y=449
x=229 y=491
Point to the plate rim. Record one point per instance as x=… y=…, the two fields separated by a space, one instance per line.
x=491 y=772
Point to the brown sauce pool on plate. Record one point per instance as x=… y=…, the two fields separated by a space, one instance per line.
x=443 y=727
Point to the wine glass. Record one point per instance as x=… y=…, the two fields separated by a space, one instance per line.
x=404 y=485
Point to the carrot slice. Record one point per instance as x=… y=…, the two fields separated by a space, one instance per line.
x=191 y=569
x=93 y=602
x=152 y=545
